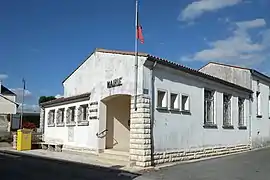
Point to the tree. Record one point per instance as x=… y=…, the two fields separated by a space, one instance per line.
x=43 y=99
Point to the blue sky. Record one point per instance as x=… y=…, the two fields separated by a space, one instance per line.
x=44 y=41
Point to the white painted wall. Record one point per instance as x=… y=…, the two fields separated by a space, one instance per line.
x=84 y=136
x=101 y=67
x=260 y=125
x=7 y=107
x=92 y=76
x=174 y=131
x=234 y=75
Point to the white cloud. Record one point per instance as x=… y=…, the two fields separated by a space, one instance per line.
x=251 y=24
x=19 y=92
x=29 y=108
x=197 y=8
x=3 y=76
x=58 y=96
x=239 y=48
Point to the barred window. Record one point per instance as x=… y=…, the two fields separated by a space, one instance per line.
x=241 y=110
x=208 y=107
x=227 y=110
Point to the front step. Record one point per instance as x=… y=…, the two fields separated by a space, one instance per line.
x=115 y=155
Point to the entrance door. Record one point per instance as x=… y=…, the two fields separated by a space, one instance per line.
x=117 y=122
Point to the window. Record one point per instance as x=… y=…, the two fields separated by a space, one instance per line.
x=209 y=107
x=174 y=101
x=185 y=103
x=269 y=106
x=241 y=110
x=72 y=114
x=61 y=115
x=258 y=101
x=161 y=99
x=83 y=112
x=51 y=117
x=227 y=110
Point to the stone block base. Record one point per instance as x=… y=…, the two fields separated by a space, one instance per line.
x=173 y=156
x=79 y=149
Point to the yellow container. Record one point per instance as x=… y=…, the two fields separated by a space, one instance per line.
x=24 y=139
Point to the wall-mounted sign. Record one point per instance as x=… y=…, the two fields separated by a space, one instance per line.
x=114 y=83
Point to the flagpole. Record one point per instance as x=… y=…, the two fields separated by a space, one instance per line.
x=136 y=57
x=21 y=122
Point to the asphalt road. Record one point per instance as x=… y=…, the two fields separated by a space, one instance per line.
x=254 y=165
x=16 y=167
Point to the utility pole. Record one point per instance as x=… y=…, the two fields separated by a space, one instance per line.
x=21 y=122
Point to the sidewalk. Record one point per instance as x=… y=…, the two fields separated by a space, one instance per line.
x=85 y=158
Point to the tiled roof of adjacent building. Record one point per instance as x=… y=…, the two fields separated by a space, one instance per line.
x=169 y=64
x=65 y=100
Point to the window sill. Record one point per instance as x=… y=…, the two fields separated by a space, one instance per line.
x=259 y=116
x=71 y=124
x=51 y=125
x=174 y=110
x=60 y=125
x=227 y=127
x=242 y=127
x=162 y=108
x=186 y=112
x=83 y=123
x=210 y=126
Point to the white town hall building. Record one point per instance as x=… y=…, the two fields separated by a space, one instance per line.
x=181 y=113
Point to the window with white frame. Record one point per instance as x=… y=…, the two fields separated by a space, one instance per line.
x=227 y=110
x=185 y=103
x=83 y=112
x=51 y=117
x=241 y=112
x=269 y=106
x=209 y=107
x=162 y=99
x=72 y=114
x=60 y=116
x=258 y=101
x=174 y=100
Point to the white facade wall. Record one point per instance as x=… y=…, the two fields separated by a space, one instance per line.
x=178 y=131
x=7 y=107
x=83 y=136
x=93 y=74
x=239 y=76
x=260 y=125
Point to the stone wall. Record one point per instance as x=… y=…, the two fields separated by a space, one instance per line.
x=41 y=122
x=140 y=132
x=173 y=156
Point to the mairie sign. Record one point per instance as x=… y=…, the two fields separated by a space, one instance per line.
x=114 y=83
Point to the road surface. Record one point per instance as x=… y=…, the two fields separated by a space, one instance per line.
x=254 y=165
x=16 y=167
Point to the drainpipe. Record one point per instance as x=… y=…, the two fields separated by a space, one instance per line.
x=250 y=112
x=152 y=111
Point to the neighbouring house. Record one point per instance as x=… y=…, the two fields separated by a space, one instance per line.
x=8 y=107
x=259 y=83
x=181 y=113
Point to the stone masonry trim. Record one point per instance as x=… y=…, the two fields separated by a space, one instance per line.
x=140 y=132
x=173 y=156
